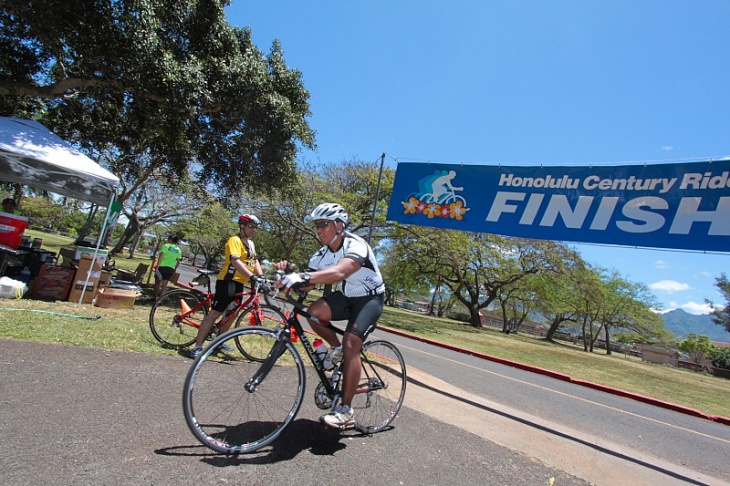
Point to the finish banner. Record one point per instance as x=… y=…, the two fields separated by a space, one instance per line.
x=682 y=206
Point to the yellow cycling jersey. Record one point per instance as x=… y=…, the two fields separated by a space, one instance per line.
x=246 y=252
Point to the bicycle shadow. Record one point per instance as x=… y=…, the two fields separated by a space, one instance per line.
x=299 y=436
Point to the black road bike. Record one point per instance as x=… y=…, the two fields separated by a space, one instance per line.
x=234 y=404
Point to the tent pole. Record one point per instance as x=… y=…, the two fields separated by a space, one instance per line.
x=98 y=244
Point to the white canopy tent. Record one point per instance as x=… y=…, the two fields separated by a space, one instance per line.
x=31 y=154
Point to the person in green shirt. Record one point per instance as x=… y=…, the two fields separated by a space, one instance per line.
x=169 y=258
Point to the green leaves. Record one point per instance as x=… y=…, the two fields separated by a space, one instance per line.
x=157 y=84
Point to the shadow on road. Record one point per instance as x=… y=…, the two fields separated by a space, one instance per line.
x=301 y=435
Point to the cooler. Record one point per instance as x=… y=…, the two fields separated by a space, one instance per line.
x=12 y=227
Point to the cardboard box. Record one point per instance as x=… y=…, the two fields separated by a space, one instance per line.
x=86 y=266
x=105 y=279
x=91 y=287
x=53 y=283
x=83 y=252
x=115 y=298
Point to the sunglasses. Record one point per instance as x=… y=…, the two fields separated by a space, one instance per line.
x=252 y=226
x=322 y=224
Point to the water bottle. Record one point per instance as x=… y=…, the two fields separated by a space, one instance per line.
x=334 y=357
x=24 y=275
x=320 y=350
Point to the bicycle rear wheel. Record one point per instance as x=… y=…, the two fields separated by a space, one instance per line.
x=382 y=387
x=263 y=316
x=224 y=411
x=167 y=322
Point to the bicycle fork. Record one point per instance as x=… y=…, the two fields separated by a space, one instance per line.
x=276 y=351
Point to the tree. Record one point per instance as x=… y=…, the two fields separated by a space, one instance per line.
x=207 y=231
x=284 y=213
x=517 y=302
x=721 y=316
x=558 y=294
x=720 y=357
x=158 y=202
x=156 y=86
x=475 y=267
x=627 y=305
x=696 y=345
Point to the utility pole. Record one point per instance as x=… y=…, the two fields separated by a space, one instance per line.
x=377 y=195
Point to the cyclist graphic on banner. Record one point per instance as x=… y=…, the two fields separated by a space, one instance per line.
x=437 y=197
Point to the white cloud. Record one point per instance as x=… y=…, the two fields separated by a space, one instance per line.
x=669 y=286
x=666 y=148
x=661 y=264
x=697 y=309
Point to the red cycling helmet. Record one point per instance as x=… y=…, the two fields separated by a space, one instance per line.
x=248 y=218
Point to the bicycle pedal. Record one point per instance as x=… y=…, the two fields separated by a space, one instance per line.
x=341 y=428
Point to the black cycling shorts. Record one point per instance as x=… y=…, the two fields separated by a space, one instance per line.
x=361 y=313
x=225 y=290
x=164 y=273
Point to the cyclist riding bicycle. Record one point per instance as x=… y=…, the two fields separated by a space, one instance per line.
x=348 y=260
x=240 y=267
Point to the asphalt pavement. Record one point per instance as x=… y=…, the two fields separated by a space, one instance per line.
x=599 y=434
x=78 y=415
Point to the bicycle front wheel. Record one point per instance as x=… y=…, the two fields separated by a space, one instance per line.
x=226 y=408
x=172 y=321
x=263 y=316
x=382 y=386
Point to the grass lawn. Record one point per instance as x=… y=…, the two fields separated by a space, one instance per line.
x=128 y=330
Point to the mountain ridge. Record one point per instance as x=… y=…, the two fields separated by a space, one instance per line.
x=682 y=323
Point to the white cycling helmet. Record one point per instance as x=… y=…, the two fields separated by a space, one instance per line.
x=248 y=218
x=330 y=212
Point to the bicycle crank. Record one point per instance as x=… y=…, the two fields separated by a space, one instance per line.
x=320 y=397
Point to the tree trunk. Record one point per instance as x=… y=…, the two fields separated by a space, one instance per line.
x=474 y=318
x=594 y=338
x=87 y=225
x=608 y=341
x=133 y=246
x=129 y=232
x=431 y=311
x=518 y=322
x=505 y=320
x=554 y=325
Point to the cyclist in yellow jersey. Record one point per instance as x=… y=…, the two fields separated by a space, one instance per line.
x=240 y=267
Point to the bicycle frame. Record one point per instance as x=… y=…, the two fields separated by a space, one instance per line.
x=285 y=336
x=253 y=299
x=271 y=386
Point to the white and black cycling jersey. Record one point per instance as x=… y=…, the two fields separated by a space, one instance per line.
x=366 y=280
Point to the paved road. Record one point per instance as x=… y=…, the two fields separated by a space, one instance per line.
x=508 y=405
x=592 y=434
x=75 y=415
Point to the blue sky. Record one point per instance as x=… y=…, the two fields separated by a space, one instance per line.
x=519 y=82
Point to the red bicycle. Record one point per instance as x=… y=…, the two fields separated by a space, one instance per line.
x=176 y=316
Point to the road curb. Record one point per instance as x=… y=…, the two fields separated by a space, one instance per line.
x=563 y=377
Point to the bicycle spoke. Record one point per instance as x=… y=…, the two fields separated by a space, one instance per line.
x=227 y=415
x=260 y=316
x=382 y=386
x=171 y=320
